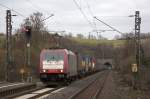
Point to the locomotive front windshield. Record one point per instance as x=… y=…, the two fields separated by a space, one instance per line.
x=53 y=60
x=53 y=57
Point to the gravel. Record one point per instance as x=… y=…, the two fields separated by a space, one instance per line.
x=72 y=89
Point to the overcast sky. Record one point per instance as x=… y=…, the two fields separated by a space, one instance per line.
x=68 y=17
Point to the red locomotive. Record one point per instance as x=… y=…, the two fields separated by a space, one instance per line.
x=63 y=65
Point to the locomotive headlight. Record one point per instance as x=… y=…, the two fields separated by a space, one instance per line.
x=61 y=70
x=44 y=70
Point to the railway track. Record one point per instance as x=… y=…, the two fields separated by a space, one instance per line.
x=40 y=92
x=93 y=89
x=98 y=92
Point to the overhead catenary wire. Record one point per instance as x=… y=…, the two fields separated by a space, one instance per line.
x=47 y=17
x=89 y=8
x=35 y=6
x=13 y=10
x=38 y=8
x=113 y=28
x=94 y=23
x=92 y=15
x=22 y=14
x=85 y=17
x=32 y=5
x=108 y=25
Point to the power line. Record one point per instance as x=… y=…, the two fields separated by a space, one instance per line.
x=13 y=10
x=85 y=17
x=29 y=2
x=108 y=25
x=114 y=16
x=92 y=15
x=36 y=6
x=47 y=17
x=89 y=8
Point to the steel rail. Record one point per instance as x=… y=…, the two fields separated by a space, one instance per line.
x=82 y=90
x=100 y=89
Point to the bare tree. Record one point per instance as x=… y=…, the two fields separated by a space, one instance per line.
x=36 y=21
x=38 y=27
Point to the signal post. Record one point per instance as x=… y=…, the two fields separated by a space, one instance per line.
x=27 y=30
x=138 y=46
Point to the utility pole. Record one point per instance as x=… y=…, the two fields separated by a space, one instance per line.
x=8 y=45
x=137 y=37
x=137 y=50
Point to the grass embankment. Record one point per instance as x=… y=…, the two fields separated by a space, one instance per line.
x=94 y=42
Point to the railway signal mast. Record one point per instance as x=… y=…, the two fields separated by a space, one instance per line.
x=138 y=50
x=28 y=47
x=137 y=37
x=138 y=45
x=8 y=44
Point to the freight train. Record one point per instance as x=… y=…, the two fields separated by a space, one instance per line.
x=62 y=65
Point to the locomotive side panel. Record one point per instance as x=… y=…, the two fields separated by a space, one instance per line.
x=72 y=65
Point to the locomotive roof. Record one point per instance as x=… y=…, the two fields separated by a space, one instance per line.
x=69 y=52
x=66 y=50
